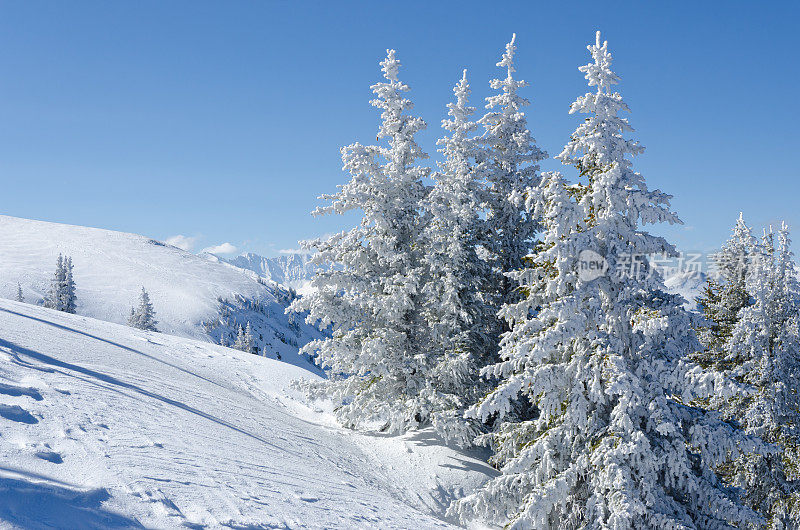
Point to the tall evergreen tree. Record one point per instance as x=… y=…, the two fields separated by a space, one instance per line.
x=370 y=293
x=511 y=158
x=613 y=445
x=20 y=296
x=464 y=328
x=143 y=316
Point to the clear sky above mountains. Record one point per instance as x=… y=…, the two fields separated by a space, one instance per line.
x=222 y=121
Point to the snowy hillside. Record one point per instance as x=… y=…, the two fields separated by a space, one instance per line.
x=105 y=426
x=291 y=270
x=187 y=290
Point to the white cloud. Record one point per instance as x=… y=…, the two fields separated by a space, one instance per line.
x=224 y=248
x=181 y=241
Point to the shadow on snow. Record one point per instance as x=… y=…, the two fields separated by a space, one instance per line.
x=28 y=503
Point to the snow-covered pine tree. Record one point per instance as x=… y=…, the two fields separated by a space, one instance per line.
x=53 y=298
x=62 y=289
x=368 y=286
x=613 y=445
x=724 y=297
x=244 y=339
x=763 y=351
x=249 y=342
x=510 y=160
x=464 y=327
x=68 y=289
x=20 y=296
x=143 y=316
x=239 y=342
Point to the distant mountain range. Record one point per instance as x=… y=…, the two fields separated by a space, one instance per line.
x=289 y=270
x=296 y=271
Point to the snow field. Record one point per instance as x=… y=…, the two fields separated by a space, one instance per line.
x=102 y=425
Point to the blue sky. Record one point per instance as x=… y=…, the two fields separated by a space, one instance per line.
x=222 y=121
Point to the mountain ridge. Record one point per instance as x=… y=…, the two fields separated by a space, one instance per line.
x=292 y=270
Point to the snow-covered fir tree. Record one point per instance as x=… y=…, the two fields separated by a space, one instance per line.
x=763 y=351
x=370 y=296
x=510 y=159
x=20 y=296
x=62 y=289
x=599 y=355
x=143 y=316
x=249 y=341
x=238 y=343
x=69 y=287
x=244 y=339
x=463 y=325
x=724 y=297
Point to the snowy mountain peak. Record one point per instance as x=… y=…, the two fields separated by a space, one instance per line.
x=291 y=270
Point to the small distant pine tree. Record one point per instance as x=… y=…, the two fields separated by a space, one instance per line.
x=52 y=299
x=143 y=316
x=249 y=342
x=61 y=296
x=68 y=292
x=239 y=342
x=20 y=296
x=244 y=339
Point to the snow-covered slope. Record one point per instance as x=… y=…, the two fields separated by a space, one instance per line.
x=106 y=426
x=111 y=268
x=291 y=270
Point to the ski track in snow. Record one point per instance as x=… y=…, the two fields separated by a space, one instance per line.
x=106 y=426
